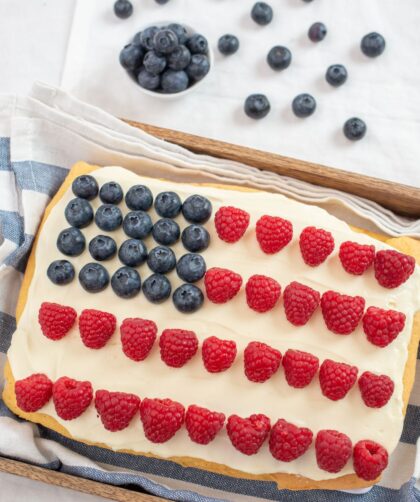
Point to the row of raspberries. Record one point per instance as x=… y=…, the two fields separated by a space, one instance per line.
x=261 y=362
x=163 y=418
x=274 y=233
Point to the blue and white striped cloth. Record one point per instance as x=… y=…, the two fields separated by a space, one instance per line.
x=40 y=138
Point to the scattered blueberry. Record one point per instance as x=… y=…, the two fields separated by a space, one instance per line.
x=188 y=298
x=137 y=39
x=197 y=209
x=307 y=1
x=197 y=44
x=191 y=267
x=147 y=37
x=161 y=260
x=131 y=57
x=198 y=67
x=195 y=238
x=85 y=187
x=157 y=288
x=137 y=224
x=108 y=217
x=161 y=2
x=126 y=282
x=139 y=197
x=303 y=105
x=148 y=80
x=179 y=58
x=165 y=41
x=373 y=44
x=132 y=252
x=317 y=32
x=123 y=9
x=71 y=242
x=354 y=129
x=79 y=213
x=228 y=44
x=154 y=63
x=174 y=81
x=168 y=204
x=257 y=106
x=60 y=272
x=262 y=13
x=111 y=193
x=166 y=231
x=102 y=247
x=279 y=57
x=179 y=31
x=336 y=75
x=94 y=277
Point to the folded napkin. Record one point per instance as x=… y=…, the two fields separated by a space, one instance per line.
x=41 y=136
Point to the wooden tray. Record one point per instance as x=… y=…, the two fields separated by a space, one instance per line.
x=402 y=199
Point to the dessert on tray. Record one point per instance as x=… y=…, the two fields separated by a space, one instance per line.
x=226 y=329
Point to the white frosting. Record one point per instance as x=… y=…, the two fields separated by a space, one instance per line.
x=229 y=392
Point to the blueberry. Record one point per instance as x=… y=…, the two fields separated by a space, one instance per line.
x=197 y=44
x=303 y=105
x=85 y=186
x=198 y=67
x=137 y=224
x=157 y=288
x=174 y=81
x=153 y=63
x=317 y=32
x=195 y=238
x=60 y=272
x=336 y=75
x=228 y=44
x=102 y=247
x=166 y=231
x=132 y=252
x=139 y=197
x=131 y=57
x=111 y=193
x=354 y=129
x=179 y=58
x=373 y=44
x=123 y=9
x=147 y=36
x=188 y=298
x=257 y=106
x=168 y=204
x=71 y=242
x=161 y=2
x=79 y=213
x=165 y=41
x=108 y=217
x=279 y=57
x=161 y=260
x=191 y=267
x=148 y=80
x=262 y=13
x=137 y=39
x=180 y=32
x=94 y=277
x=197 y=209
x=126 y=282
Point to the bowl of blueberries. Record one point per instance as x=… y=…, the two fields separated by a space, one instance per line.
x=167 y=59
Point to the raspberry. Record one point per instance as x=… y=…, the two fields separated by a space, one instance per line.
x=203 y=424
x=116 y=409
x=262 y=293
x=248 y=434
x=161 y=418
x=299 y=367
x=177 y=346
x=218 y=355
x=333 y=449
x=382 y=326
x=96 y=327
x=315 y=245
x=71 y=397
x=261 y=361
x=288 y=442
x=137 y=337
x=393 y=268
x=369 y=459
x=56 y=320
x=33 y=392
x=273 y=233
x=300 y=302
x=342 y=313
x=231 y=223
x=336 y=379
x=356 y=258
x=221 y=284
x=376 y=390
